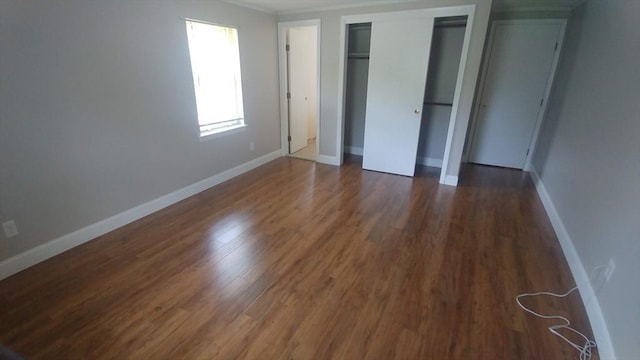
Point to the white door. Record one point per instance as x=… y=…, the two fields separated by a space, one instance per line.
x=300 y=69
x=520 y=63
x=398 y=62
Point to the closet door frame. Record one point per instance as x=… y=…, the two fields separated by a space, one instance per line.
x=545 y=99
x=345 y=21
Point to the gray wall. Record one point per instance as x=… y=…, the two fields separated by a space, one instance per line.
x=97 y=108
x=330 y=45
x=589 y=155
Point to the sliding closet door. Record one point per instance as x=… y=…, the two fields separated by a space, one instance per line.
x=398 y=63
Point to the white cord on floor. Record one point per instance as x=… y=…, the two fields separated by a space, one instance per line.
x=585 y=349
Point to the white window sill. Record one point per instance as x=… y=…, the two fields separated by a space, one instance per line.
x=214 y=134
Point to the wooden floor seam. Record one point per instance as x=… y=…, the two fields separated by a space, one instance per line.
x=298 y=260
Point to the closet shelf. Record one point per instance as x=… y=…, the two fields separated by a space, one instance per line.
x=451 y=21
x=450 y=25
x=358 y=56
x=438 y=103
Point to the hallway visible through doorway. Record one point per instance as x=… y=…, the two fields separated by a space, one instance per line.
x=299 y=85
x=308 y=152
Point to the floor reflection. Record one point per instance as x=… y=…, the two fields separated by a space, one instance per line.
x=231 y=247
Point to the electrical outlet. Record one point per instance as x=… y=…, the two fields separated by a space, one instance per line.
x=609 y=270
x=10 y=228
x=252 y=146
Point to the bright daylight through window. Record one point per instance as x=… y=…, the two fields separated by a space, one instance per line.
x=215 y=62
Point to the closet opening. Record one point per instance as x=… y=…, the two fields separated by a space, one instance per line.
x=431 y=115
x=359 y=42
x=444 y=61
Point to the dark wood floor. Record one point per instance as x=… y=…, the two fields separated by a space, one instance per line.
x=305 y=261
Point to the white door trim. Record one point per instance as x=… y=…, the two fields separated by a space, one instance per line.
x=483 y=78
x=282 y=70
x=468 y=10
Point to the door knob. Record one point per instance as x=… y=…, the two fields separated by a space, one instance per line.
x=416 y=111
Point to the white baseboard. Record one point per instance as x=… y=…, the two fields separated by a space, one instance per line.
x=329 y=160
x=587 y=293
x=450 y=180
x=427 y=161
x=54 y=247
x=353 y=150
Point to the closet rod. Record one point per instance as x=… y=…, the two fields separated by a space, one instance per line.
x=355 y=55
x=437 y=103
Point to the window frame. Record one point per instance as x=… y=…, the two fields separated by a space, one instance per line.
x=223 y=127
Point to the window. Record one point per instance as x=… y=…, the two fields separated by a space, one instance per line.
x=215 y=62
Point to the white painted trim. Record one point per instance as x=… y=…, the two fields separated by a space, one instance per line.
x=342 y=85
x=54 y=247
x=451 y=180
x=483 y=80
x=580 y=276
x=318 y=82
x=469 y=11
x=282 y=77
x=433 y=162
x=282 y=74
x=464 y=56
x=329 y=160
x=223 y=132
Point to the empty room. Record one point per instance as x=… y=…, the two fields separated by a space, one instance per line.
x=320 y=179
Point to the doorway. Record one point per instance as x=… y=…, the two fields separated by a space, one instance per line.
x=299 y=61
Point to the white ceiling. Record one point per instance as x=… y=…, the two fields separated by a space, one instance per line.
x=290 y=6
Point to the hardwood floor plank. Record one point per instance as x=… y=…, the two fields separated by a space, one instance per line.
x=297 y=260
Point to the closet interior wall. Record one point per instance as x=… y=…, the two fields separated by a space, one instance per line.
x=448 y=38
x=446 y=49
x=359 y=43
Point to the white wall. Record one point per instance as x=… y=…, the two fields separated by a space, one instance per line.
x=588 y=155
x=98 y=110
x=330 y=45
x=312 y=79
